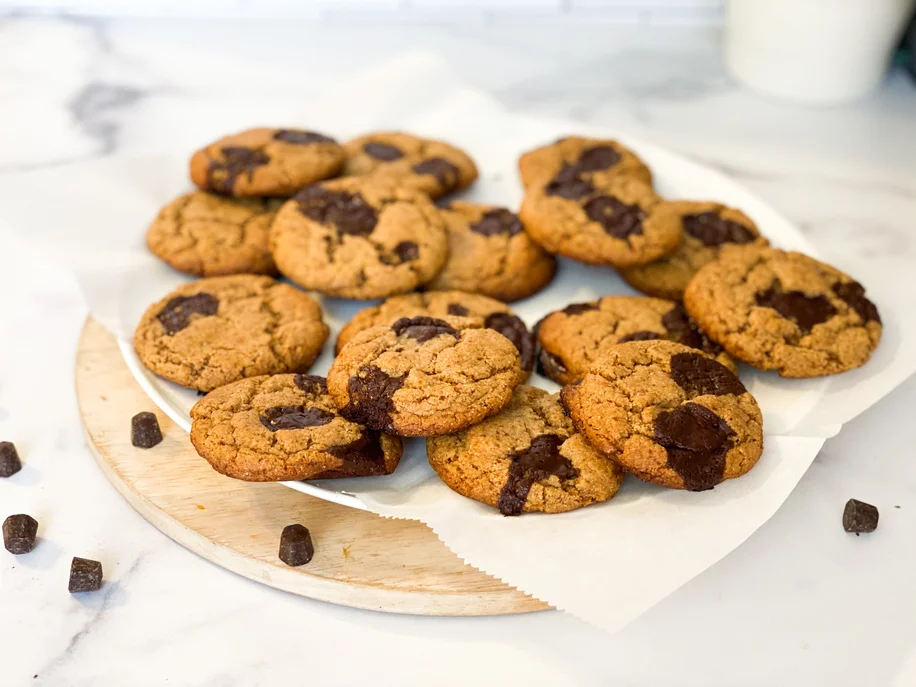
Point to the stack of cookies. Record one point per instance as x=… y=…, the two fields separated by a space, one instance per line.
x=650 y=383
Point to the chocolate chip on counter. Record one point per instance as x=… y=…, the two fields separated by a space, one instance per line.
x=20 y=533
x=9 y=459
x=859 y=517
x=85 y=575
x=144 y=430
x=296 y=545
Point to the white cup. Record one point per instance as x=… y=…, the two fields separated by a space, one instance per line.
x=813 y=51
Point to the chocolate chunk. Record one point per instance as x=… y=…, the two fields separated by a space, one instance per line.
x=300 y=137
x=361 y=458
x=698 y=375
x=640 y=336
x=713 y=230
x=295 y=417
x=805 y=311
x=568 y=184
x=371 y=398
x=859 y=517
x=853 y=293
x=20 y=533
x=683 y=330
x=579 y=308
x=423 y=329
x=85 y=575
x=144 y=430
x=496 y=222
x=597 y=158
x=296 y=545
x=176 y=315
x=538 y=461
x=311 y=384
x=9 y=459
x=382 y=151
x=445 y=172
x=457 y=309
x=618 y=219
x=515 y=330
x=550 y=366
x=348 y=213
x=238 y=160
x=405 y=251
x=697 y=441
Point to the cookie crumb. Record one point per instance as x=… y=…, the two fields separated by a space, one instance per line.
x=85 y=575
x=296 y=545
x=859 y=517
x=9 y=459
x=199 y=507
x=20 y=533
x=346 y=551
x=144 y=430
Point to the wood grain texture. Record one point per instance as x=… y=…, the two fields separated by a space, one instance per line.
x=361 y=559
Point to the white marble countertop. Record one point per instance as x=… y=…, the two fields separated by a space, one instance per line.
x=799 y=603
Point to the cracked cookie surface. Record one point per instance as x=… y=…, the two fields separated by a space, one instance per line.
x=208 y=235
x=432 y=167
x=217 y=330
x=594 y=159
x=785 y=311
x=706 y=227
x=356 y=239
x=527 y=458
x=424 y=376
x=265 y=162
x=669 y=414
x=490 y=253
x=575 y=337
x=285 y=427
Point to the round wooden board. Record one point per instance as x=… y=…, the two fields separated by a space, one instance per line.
x=361 y=559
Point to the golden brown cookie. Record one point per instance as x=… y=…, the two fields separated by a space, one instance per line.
x=573 y=338
x=491 y=313
x=784 y=311
x=208 y=235
x=266 y=162
x=489 y=253
x=706 y=228
x=602 y=224
x=669 y=414
x=588 y=158
x=214 y=331
x=356 y=239
x=422 y=164
x=424 y=376
x=285 y=427
x=527 y=458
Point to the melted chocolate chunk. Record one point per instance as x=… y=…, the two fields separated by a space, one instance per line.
x=597 y=158
x=568 y=184
x=683 y=330
x=457 y=309
x=361 y=458
x=853 y=293
x=579 y=308
x=300 y=137
x=382 y=151
x=550 y=366
x=20 y=532
x=311 y=384
x=859 y=517
x=640 y=336
x=296 y=546
x=405 y=251
x=515 y=330
x=496 y=222
x=10 y=463
x=805 y=311
x=144 y=430
x=445 y=172
x=713 y=230
x=371 y=402
x=698 y=375
x=295 y=417
x=538 y=461
x=618 y=219
x=238 y=161
x=176 y=315
x=347 y=212
x=697 y=441
x=85 y=575
x=423 y=329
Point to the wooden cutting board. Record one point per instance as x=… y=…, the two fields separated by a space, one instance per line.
x=361 y=559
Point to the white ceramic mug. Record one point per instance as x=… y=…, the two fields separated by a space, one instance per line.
x=813 y=51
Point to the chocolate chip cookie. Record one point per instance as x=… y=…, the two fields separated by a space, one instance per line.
x=589 y=159
x=491 y=313
x=575 y=337
x=527 y=458
x=266 y=162
x=784 y=311
x=669 y=414
x=602 y=224
x=424 y=376
x=285 y=427
x=489 y=253
x=356 y=239
x=214 y=331
x=432 y=167
x=208 y=235
x=706 y=228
